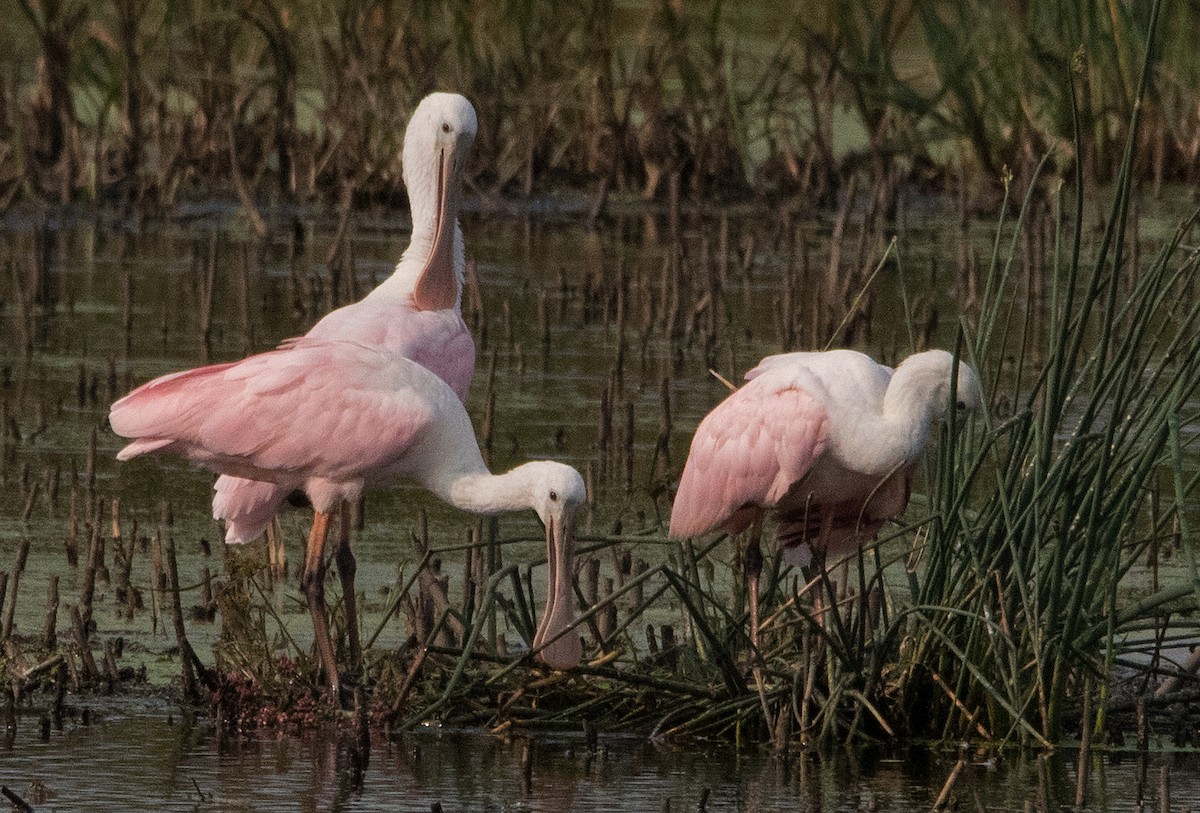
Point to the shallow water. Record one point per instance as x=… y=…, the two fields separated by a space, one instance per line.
x=94 y=306
x=116 y=305
x=139 y=755
x=82 y=297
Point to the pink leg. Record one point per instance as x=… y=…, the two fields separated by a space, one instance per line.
x=312 y=582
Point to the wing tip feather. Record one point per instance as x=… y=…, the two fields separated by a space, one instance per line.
x=142 y=446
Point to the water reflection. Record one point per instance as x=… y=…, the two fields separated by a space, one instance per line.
x=143 y=756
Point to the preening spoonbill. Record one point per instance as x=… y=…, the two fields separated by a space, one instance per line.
x=330 y=418
x=826 y=441
x=416 y=312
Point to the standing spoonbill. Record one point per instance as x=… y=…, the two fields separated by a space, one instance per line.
x=826 y=441
x=329 y=418
x=415 y=313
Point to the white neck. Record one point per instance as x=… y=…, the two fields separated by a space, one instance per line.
x=907 y=412
x=469 y=486
x=898 y=433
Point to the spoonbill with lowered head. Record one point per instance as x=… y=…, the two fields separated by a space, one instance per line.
x=330 y=418
x=826 y=441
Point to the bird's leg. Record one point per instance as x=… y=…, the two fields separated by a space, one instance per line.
x=753 y=567
x=312 y=582
x=346 y=568
x=818 y=565
x=753 y=564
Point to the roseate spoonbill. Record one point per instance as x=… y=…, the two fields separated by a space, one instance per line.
x=416 y=312
x=826 y=441
x=329 y=418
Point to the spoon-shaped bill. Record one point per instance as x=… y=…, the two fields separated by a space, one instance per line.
x=557 y=647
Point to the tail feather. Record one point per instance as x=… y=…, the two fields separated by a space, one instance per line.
x=157 y=406
x=143 y=446
x=246 y=506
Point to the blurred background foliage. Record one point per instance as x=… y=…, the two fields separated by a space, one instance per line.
x=296 y=100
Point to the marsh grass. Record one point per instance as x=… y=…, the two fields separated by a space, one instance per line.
x=1019 y=600
x=1013 y=592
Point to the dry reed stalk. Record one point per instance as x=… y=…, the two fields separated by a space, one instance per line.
x=10 y=608
x=277 y=567
x=90 y=474
x=487 y=425
x=110 y=667
x=606 y=622
x=30 y=500
x=970 y=716
x=591 y=581
x=95 y=561
x=49 y=635
x=604 y=431
x=943 y=799
x=1085 y=752
x=83 y=647
x=158 y=580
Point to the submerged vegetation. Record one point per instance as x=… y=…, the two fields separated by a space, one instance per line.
x=1011 y=604
x=297 y=101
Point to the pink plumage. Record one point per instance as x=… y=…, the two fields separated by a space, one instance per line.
x=437 y=340
x=827 y=441
x=336 y=413
x=373 y=392
x=746 y=453
x=329 y=418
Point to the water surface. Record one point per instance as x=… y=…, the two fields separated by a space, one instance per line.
x=139 y=755
x=90 y=307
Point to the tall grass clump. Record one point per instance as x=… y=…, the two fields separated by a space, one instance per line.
x=1005 y=607
x=1027 y=580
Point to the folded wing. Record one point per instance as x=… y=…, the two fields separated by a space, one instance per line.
x=327 y=408
x=749 y=451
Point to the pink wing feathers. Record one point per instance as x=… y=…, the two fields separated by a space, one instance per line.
x=129 y=415
x=330 y=409
x=451 y=357
x=749 y=451
x=437 y=340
